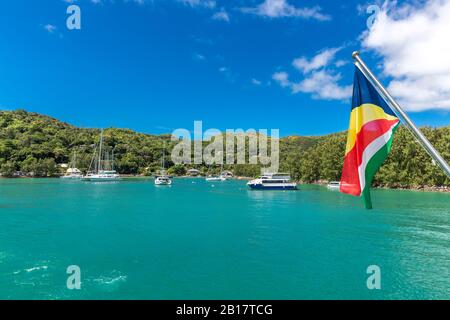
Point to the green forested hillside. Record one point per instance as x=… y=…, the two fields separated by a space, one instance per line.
x=35 y=143
x=30 y=142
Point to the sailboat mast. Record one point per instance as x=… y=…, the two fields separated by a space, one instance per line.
x=162 y=162
x=112 y=159
x=99 y=166
x=72 y=161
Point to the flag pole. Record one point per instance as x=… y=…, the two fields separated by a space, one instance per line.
x=404 y=117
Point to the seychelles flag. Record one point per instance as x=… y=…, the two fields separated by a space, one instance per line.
x=370 y=135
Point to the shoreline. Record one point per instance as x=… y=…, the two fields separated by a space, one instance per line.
x=439 y=189
x=314 y=151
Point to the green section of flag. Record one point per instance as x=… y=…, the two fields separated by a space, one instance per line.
x=372 y=167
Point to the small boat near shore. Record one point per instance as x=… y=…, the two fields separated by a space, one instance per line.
x=334 y=185
x=224 y=175
x=73 y=172
x=215 y=178
x=273 y=181
x=163 y=181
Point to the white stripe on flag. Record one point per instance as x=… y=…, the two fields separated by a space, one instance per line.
x=369 y=152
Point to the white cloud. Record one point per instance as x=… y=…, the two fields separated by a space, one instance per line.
x=340 y=63
x=256 y=82
x=281 y=8
x=413 y=42
x=282 y=78
x=199 y=3
x=320 y=60
x=50 y=28
x=318 y=77
x=323 y=84
x=198 y=57
x=221 y=15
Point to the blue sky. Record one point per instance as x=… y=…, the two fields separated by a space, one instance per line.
x=154 y=66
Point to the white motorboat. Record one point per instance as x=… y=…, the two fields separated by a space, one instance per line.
x=215 y=178
x=273 y=181
x=163 y=181
x=334 y=185
x=222 y=177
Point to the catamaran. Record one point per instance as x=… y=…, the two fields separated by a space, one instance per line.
x=102 y=166
x=163 y=179
x=73 y=172
x=273 y=181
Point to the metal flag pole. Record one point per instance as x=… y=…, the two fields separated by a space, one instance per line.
x=404 y=117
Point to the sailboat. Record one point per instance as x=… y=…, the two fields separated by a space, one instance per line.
x=102 y=167
x=73 y=172
x=163 y=179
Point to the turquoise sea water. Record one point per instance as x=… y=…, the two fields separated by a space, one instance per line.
x=199 y=240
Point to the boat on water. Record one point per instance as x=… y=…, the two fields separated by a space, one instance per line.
x=102 y=175
x=334 y=185
x=163 y=179
x=101 y=168
x=273 y=181
x=227 y=175
x=215 y=178
x=73 y=172
x=222 y=177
